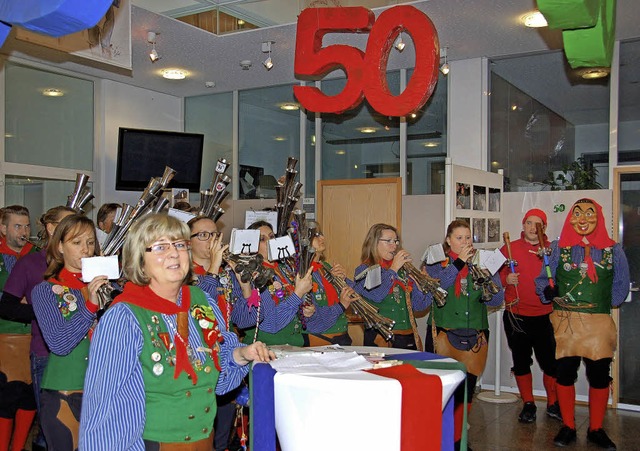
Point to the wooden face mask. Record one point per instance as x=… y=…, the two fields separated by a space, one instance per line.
x=584 y=218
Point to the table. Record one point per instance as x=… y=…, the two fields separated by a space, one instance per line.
x=353 y=410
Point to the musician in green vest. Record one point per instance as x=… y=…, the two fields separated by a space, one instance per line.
x=65 y=307
x=397 y=296
x=460 y=328
x=588 y=274
x=161 y=352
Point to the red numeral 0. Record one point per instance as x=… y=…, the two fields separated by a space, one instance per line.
x=366 y=73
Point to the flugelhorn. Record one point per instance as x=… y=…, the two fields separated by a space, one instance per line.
x=211 y=199
x=427 y=284
x=81 y=194
x=372 y=319
x=482 y=279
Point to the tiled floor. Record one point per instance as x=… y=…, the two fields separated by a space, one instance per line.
x=495 y=427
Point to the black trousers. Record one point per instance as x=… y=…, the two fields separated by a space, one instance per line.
x=597 y=371
x=535 y=335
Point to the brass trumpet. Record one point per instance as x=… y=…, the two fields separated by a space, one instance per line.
x=369 y=313
x=427 y=284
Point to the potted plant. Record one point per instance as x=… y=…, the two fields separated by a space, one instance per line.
x=578 y=175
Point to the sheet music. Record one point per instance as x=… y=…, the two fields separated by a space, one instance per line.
x=319 y=363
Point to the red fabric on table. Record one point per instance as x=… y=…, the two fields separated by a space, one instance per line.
x=420 y=393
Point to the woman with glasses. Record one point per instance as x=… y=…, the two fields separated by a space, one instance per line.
x=65 y=308
x=221 y=283
x=397 y=296
x=460 y=328
x=278 y=315
x=161 y=352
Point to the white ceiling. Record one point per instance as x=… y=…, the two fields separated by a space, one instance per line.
x=470 y=29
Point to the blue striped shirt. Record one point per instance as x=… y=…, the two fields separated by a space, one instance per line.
x=61 y=334
x=419 y=300
x=113 y=406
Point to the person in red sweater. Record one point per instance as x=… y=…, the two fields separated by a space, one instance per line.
x=526 y=319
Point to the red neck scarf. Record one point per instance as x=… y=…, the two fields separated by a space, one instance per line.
x=146 y=298
x=69 y=279
x=198 y=269
x=4 y=249
x=386 y=264
x=329 y=290
x=599 y=238
x=462 y=274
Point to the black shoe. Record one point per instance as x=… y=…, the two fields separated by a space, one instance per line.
x=565 y=437
x=456 y=446
x=554 y=411
x=600 y=438
x=528 y=413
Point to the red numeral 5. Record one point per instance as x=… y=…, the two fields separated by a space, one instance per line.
x=366 y=73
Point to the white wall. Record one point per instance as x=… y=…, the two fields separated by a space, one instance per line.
x=120 y=105
x=467 y=113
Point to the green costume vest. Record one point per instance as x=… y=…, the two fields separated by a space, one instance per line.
x=176 y=410
x=571 y=282
x=341 y=324
x=291 y=334
x=66 y=372
x=10 y=327
x=461 y=312
x=394 y=305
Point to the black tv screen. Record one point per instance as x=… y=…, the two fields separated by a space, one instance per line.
x=143 y=154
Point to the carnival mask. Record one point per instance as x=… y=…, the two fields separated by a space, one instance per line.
x=584 y=218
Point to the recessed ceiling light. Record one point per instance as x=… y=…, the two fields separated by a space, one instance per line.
x=174 y=74
x=340 y=152
x=590 y=73
x=289 y=106
x=431 y=144
x=279 y=138
x=534 y=19
x=52 y=92
x=367 y=129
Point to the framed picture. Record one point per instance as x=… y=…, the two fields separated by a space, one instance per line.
x=109 y=41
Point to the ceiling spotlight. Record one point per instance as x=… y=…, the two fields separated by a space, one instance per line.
x=153 y=54
x=151 y=39
x=591 y=73
x=445 y=66
x=534 y=19
x=245 y=64
x=174 y=74
x=52 y=92
x=400 y=45
x=266 y=48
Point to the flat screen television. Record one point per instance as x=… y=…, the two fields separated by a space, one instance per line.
x=143 y=154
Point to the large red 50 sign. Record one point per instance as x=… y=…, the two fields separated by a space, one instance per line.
x=366 y=72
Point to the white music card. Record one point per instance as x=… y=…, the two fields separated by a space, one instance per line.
x=374 y=277
x=281 y=248
x=244 y=241
x=434 y=254
x=252 y=216
x=100 y=266
x=183 y=216
x=492 y=260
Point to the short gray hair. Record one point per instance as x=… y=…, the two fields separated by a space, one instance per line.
x=144 y=232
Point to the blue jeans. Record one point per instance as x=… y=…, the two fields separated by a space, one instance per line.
x=38 y=364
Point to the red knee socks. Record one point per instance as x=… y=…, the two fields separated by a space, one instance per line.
x=567 y=401
x=6 y=428
x=598 y=398
x=525 y=386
